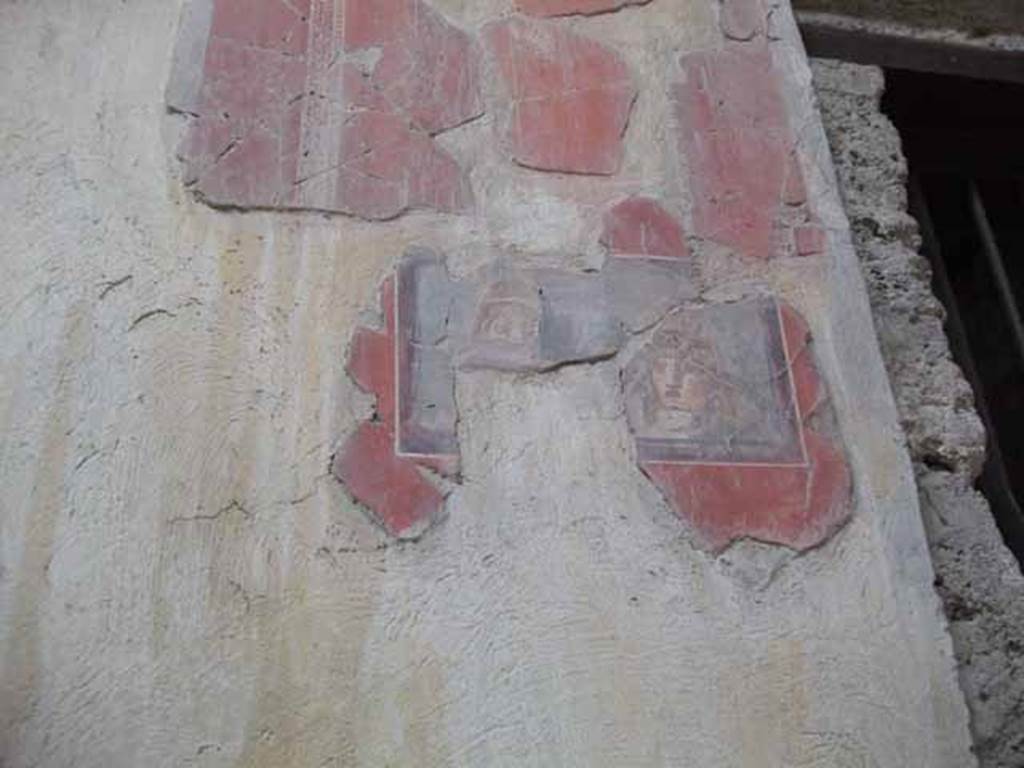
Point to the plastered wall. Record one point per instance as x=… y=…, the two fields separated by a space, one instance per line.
x=184 y=582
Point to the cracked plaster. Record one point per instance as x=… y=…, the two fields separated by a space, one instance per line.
x=559 y=616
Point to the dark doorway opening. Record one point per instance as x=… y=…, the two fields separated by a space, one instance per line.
x=964 y=142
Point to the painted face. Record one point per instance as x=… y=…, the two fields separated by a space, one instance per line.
x=508 y=312
x=681 y=386
x=507 y=320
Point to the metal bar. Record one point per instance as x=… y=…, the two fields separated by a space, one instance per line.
x=995 y=262
x=956 y=330
x=995 y=478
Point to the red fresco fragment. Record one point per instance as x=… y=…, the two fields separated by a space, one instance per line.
x=371 y=361
x=243 y=83
x=796 y=504
x=738 y=145
x=428 y=70
x=277 y=25
x=389 y=168
x=571 y=97
x=572 y=7
x=807 y=386
x=391 y=487
x=810 y=241
x=640 y=226
x=389 y=484
x=291 y=117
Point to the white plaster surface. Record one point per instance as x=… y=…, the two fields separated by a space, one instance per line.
x=181 y=582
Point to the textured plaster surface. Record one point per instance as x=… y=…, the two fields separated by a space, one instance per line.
x=183 y=583
x=978 y=579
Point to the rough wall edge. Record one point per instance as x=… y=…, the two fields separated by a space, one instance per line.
x=886 y=493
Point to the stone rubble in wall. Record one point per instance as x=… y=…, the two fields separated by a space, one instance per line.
x=978 y=579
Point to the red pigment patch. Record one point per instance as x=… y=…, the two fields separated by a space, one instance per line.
x=573 y=7
x=276 y=25
x=399 y=496
x=571 y=97
x=640 y=226
x=648 y=271
x=799 y=507
x=732 y=425
x=428 y=70
x=810 y=241
x=292 y=114
x=379 y=476
x=738 y=144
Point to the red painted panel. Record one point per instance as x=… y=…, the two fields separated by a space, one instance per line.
x=571 y=97
x=735 y=137
x=297 y=114
x=640 y=226
x=392 y=487
x=797 y=501
x=390 y=484
x=797 y=506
